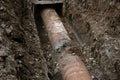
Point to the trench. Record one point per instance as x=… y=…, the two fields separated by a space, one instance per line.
x=105 y=24
x=48 y=51
x=45 y=44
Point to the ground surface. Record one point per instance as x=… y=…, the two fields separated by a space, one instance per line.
x=25 y=50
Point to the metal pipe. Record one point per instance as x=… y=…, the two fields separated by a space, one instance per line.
x=57 y=34
x=72 y=67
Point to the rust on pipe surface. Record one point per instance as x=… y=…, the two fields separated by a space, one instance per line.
x=71 y=66
x=57 y=34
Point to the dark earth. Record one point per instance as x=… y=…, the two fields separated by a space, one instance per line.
x=25 y=50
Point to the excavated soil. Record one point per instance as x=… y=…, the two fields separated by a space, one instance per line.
x=25 y=50
x=97 y=24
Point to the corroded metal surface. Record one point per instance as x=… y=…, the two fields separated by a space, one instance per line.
x=57 y=34
x=73 y=68
x=46 y=1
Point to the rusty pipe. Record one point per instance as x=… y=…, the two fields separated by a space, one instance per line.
x=56 y=32
x=72 y=67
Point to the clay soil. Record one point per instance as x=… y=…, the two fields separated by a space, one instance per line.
x=25 y=50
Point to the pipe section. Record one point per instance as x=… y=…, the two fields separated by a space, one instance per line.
x=57 y=34
x=72 y=67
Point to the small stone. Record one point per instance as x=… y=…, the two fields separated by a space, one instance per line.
x=116 y=48
x=9 y=30
x=50 y=55
x=3 y=53
x=19 y=56
x=31 y=62
x=94 y=61
x=112 y=3
x=91 y=58
x=73 y=53
x=3 y=25
x=20 y=62
x=93 y=77
x=36 y=59
x=1 y=8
